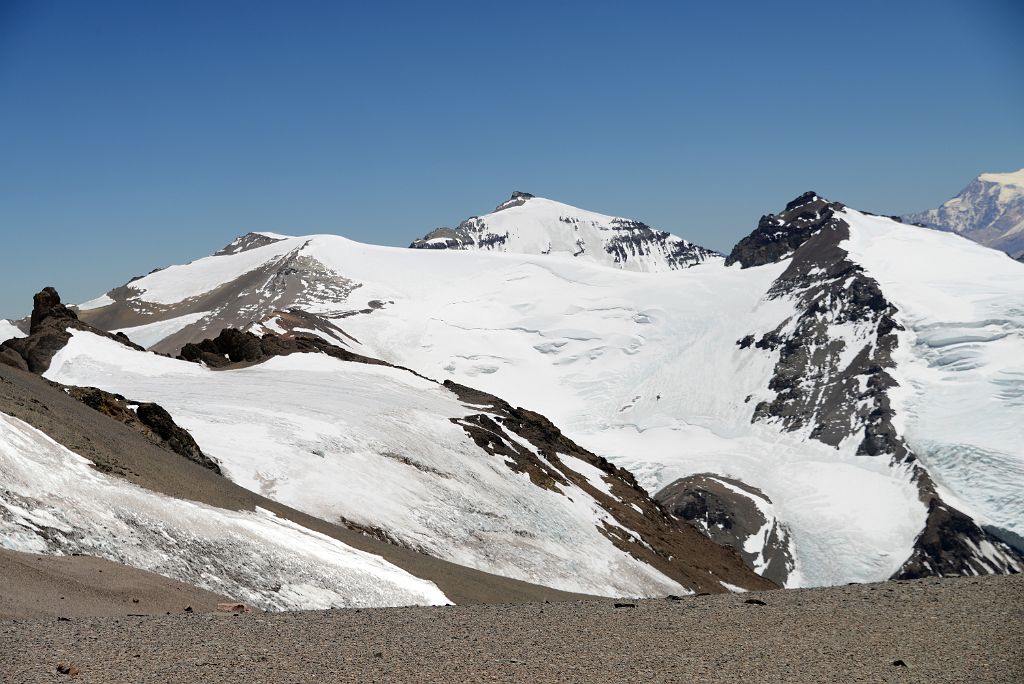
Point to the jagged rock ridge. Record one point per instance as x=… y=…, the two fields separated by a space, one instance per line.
x=48 y=333
x=834 y=372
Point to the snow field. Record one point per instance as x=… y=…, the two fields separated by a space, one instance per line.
x=376 y=446
x=53 y=501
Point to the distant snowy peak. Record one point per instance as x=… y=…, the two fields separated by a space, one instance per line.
x=526 y=224
x=990 y=211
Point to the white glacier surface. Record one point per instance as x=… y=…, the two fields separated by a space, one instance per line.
x=376 y=446
x=960 y=362
x=53 y=501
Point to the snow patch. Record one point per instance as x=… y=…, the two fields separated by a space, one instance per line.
x=9 y=331
x=149 y=334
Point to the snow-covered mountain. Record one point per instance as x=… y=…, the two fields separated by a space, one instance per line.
x=990 y=210
x=857 y=380
x=526 y=224
x=442 y=469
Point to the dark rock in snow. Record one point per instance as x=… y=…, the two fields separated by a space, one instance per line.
x=152 y=420
x=778 y=235
x=48 y=333
x=518 y=198
x=715 y=506
x=247 y=242
x=814 y=391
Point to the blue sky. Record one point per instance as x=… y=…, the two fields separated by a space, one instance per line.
x=139 y=134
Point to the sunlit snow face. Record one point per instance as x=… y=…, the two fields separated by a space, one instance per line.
x=54 y=502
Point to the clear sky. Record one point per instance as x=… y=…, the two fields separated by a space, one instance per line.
x=139 y=134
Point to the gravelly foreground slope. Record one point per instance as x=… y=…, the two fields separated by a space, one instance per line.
x=941 y=630
x=36 y=585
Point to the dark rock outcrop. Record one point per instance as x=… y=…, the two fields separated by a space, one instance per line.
x=472 y=231
x=247 y=242
x=518 y=198
x=152 y=420
x=730 y=513
x=48 y=333
x=779 y=235
x=814 y=389
x=232 y=348
x=10 y=357
x=635 y=238
x=954 y=544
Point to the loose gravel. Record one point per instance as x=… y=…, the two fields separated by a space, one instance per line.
x=948 y=630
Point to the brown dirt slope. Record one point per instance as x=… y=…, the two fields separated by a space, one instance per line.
x=79 y=586
x=934 y=630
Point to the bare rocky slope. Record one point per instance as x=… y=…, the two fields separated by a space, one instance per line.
x=38 y=585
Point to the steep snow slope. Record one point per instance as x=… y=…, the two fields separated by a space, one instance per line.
x=533 y=225
x=52 y=501
x=383 y=449
x=990 y=210
x=960 y=363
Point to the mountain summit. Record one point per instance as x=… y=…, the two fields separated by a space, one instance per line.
x=526 y=224
x=990 y=210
